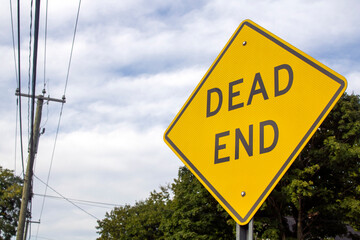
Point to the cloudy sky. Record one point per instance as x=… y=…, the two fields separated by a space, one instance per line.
x=134 y=65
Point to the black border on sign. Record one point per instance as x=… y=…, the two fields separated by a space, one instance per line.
x=293 y=154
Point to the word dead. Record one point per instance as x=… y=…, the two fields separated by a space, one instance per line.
x=254 y=91
x=235 y=102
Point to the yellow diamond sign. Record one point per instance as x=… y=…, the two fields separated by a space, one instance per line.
x=250 y=116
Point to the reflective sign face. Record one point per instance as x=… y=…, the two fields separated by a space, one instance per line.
x=250 y=116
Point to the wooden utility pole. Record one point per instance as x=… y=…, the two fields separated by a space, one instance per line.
x=34 y=136
x=27 y=187
x=35 y=131
x=29 y=172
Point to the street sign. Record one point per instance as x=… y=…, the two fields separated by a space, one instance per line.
x=250 y=116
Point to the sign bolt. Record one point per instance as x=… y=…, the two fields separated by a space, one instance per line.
x=243 y=194
x=244 y=43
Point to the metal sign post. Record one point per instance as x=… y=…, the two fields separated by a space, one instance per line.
x=245 y=232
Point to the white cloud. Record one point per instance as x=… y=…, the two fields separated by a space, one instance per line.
x=353 y=83
x=134 y=65
x=118 y=166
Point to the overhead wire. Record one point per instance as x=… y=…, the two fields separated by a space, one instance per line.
x=84 y=202
x=46 y=19
x=45 y=238
x=13 y=43
x=45 y=55
x=18 y=80
x=16 y=121
x=72 y=46
x=45 y=41
x=33 y=90
x=16 y=77
x=29 y=70
x=19 y=85
x=29 y=221
x=62 y=105
x=67 y=199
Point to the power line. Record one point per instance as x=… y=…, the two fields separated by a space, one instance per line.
x=45 y=238
x=67 y=199
x=19 y=75
x=62 y=105
x=84 y=202
x=13 y=42
x=45 y=42
x=18 y=80
x=16 y=121
x=45 y=55
x=33 y=65
x=52 y=159
x=29 y=70
x=16 y=77
x=72 y=46
x=50 y=167
x=27 y=188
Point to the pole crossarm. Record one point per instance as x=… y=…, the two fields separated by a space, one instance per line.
x=62 y=100
x=34 y=141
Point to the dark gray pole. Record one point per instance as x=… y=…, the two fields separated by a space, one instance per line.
x=26 y=195
x=245 y=232
x=29 y=172
x=34 y=132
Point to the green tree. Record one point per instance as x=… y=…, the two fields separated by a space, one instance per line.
x=316 y=199
x=192 y=213
x=195 y=214
x=10 y=199
x=141 y=221
x=320 y=191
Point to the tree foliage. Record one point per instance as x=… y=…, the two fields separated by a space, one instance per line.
x=10 y=200
x=194 y=213
x=141 y=221
x=191 y=214
x=317 y=198
x=320 y=191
